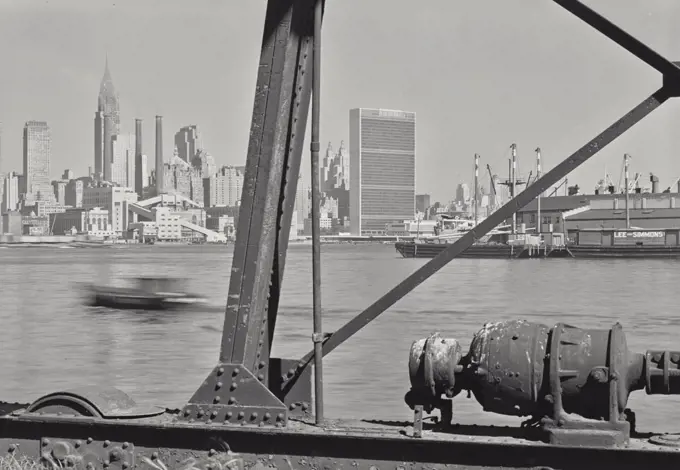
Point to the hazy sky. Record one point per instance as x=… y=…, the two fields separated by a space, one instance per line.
x=480 y=75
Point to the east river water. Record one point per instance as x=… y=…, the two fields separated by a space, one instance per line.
x=52 y=342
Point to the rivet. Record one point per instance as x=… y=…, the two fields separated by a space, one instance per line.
x=154 y=456
x=262 y=364
x=106 y=463
x=12 y=447
x=232 y=400
x=229 y=415
x=236 y=371
x=187 y=412
x=213 y=414
x=89 y=440
x=291 y=372
x=78 y=443
x=211 y=452
x=199 y=413
x=305 y=406
x=90 y=466
x=216 y=399
x=45 y=442
x=260 y=377
x=220 y=371
x=218 y=385
x=126 y=465
x=280 y=417
x=267 y=416
x=498 y=380
x=241 y=414
x=292 y=406
x=233 y=386
x=125 y=445
x=253 y=416
x=107 y=443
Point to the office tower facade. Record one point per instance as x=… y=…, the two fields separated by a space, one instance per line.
x=188 y=142
x=37 y=155
x=107 y=107
x=224 y=188
x=10 y=195
x=382 y=149
x=123 y=160
x=160 y=186
x=108 y=147
x=422 y=202
x=139 y=167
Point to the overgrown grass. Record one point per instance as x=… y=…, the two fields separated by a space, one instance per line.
x=9 y=462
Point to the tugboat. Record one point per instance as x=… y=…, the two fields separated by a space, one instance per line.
x=147 y=293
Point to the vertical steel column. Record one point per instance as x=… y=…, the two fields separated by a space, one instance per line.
x=625 y=165
x=317 y=336
x=539 y=224
x=239 y=389
x=513 y=179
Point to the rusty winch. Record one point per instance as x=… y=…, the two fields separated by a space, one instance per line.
x=573 y=382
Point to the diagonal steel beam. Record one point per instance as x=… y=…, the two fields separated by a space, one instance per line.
x=522 y=199
x=622 y=38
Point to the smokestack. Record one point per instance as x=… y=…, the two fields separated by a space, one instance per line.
x=139 y=175
x=159 y=155
x=655 y=183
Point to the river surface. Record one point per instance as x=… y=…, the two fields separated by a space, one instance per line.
x=51 y=342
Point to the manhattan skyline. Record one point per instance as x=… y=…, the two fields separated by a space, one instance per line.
x=479 y=77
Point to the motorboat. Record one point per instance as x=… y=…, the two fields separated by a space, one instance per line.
x=145 y=293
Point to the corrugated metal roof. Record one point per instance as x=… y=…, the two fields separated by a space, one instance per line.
x=607 y=214
x=566 y=203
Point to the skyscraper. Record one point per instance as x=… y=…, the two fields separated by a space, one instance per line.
x=123 y=160
x=188 y=142
x=382 y=149
x=37 y=154
x=107 y=107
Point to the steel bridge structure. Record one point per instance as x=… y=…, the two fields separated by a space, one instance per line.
x=257 y=411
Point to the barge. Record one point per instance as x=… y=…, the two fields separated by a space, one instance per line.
x=600 y=243
x=626 y=243
x=501 y=245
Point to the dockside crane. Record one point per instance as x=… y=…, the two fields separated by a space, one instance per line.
x=494 y=195
x=557 y=188
x=670 y=188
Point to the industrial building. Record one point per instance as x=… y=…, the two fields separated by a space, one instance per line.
x=594 y=211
